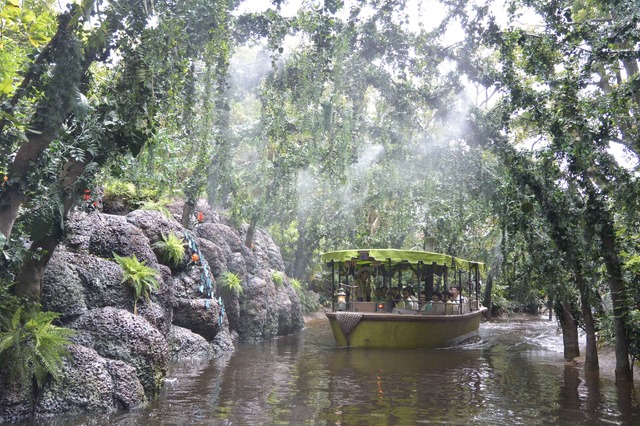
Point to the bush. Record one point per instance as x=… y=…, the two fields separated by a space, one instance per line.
x=33 y=348
x=139 y=276
x=231 y=283
x=118 y=196
x=171 y=249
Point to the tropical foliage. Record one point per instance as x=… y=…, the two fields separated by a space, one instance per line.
x=171 y=248
x=31 y=347
x=231 y=283
x=141 y=278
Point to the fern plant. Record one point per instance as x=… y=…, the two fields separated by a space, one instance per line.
x=139 y=276
x=171 y=248
x=231 y=283
x=296 y=284
x=277 y=278
x=32 y=347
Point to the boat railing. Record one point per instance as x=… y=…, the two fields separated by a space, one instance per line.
x=428 y=308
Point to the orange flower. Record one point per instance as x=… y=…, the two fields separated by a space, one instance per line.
x=5 y=178
x=195 y=257
x=200 y=216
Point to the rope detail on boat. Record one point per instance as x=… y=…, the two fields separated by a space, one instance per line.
x=348 y=320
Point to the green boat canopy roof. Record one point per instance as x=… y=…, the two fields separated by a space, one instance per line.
x=365 y=257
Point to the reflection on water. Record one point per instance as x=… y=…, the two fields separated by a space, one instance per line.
x=514 y=376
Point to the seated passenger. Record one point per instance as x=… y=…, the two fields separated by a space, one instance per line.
x=410 y=301
x=456 y=295
x=380 y=294
x=394 y=295
x=422 y=300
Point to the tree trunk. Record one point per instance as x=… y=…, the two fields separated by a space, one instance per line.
x=569 y=331
x=248 y=240
x=616 y=285
x=187 y=210
x=494 y=272
x=603 y=224
x=591 y=355
x=487 y=294
x=29 y=278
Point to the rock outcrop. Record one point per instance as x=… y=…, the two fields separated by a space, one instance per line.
x=119 y=360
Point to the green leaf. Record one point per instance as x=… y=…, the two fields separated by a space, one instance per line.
x=6 y=87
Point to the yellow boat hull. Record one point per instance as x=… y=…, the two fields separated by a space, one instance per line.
x=407 y=330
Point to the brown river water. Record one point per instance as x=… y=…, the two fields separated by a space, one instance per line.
x=514 y=375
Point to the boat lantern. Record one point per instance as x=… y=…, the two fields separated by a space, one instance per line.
x=342 y=299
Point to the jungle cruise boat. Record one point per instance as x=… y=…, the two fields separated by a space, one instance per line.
x=374 y=305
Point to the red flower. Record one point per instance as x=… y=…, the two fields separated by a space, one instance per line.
x=86 y=197
x=200 y=216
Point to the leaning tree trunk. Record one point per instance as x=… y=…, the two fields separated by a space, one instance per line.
x=63 y=51
x=31 y=273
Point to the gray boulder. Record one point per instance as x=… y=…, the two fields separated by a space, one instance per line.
x=265 y=251
x=89 y=382
x=229 y=241
x=184 y=344
x=120 y=335
x=224 y=342
x=195 y=315
x=15 y=400
x=154 y=224
x=113 y=234
x=214 y=256
x=76 y=282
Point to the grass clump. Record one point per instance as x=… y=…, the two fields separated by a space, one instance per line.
x=32 y=348
x=139 y=276
x=171 y=248
x=231 y=283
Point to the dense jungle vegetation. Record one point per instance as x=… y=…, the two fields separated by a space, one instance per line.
x=507 y=132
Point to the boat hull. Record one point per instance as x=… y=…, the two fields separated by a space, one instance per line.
x=407 y=330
